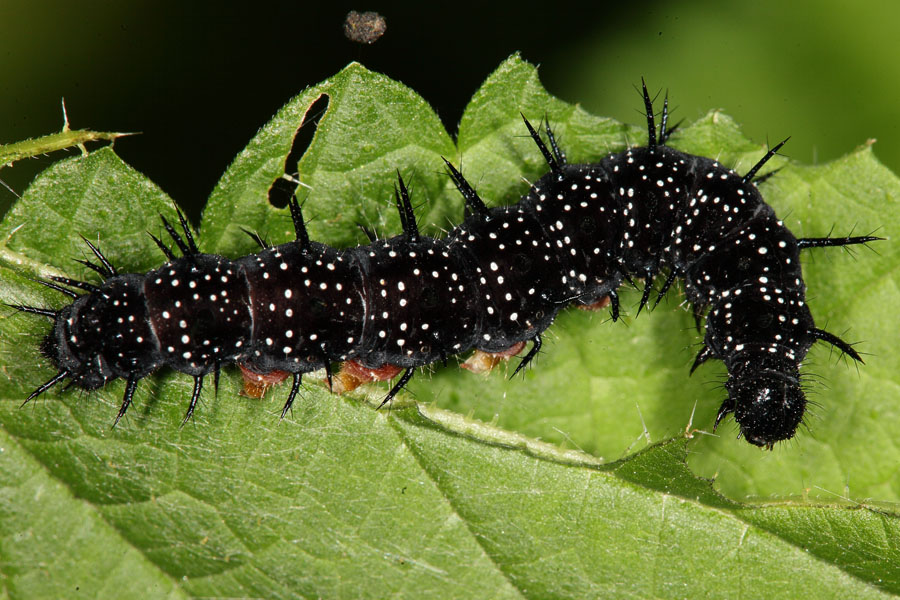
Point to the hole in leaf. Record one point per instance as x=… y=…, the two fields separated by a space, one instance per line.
x=284 y=186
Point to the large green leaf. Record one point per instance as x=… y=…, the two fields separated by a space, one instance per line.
x=341 y=500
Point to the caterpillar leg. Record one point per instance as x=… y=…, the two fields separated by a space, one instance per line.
x=353 y=374
x=612 y=300
x=256 y=384
x=484 y=362
x=598 y=305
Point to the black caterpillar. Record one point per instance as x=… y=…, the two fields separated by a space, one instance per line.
x=495 y=282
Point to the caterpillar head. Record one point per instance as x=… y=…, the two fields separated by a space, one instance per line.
x=104 y=335
x=76 y=357
x=768 y=405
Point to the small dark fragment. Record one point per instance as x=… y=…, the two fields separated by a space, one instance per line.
x=364 y=27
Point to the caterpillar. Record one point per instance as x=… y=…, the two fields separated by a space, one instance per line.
x=494 y=284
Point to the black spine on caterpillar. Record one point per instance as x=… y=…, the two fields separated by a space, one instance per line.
x=496 y=280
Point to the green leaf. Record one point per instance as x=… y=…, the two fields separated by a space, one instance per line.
x=96 y=195
x=371 y=128
x=341 y=500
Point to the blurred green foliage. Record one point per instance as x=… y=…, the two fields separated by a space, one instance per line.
x=824 y=73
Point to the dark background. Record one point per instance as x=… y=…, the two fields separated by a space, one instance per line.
x=197 y=79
